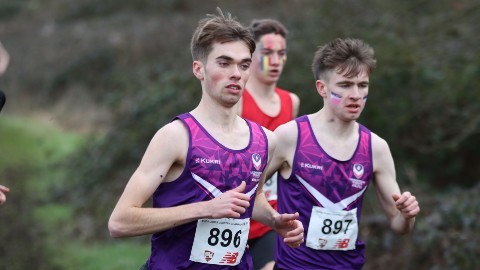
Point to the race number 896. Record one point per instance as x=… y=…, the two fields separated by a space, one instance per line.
x=226 y=236
x=337 y=227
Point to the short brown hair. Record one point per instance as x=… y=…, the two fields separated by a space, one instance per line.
x=343 y=55
x=220 y=28
x=263 y=27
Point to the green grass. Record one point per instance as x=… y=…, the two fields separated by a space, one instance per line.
x=41 y=148
x=25 y=141
x=53 y=214
x=115 y=255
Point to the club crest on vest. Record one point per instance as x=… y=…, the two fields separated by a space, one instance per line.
x=358 y=170
x=257 y=161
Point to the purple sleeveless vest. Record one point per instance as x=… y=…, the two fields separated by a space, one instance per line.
x=210 y=168
x=314 y=169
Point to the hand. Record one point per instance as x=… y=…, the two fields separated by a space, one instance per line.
x=291 y=229
x=230 y=204
x=407 y=204
x=3 y=190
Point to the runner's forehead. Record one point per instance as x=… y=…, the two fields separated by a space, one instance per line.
x=232 y=51
x=272 y=41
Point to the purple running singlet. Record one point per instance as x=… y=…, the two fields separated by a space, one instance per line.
x=211 y=169
x=328 y=195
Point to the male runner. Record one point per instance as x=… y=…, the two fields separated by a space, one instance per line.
x=205 y=169
x=327 y=160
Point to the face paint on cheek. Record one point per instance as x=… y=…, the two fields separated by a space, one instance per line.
x=264 y=62
x=365 y=99
x=267 y=43
x=284 y=57
x=335 y=99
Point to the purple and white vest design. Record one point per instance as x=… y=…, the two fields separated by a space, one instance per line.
x=328 y=195
x=211 y=169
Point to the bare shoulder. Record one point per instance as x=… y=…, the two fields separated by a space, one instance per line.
x=173 y=137
x=172 y=130
x=295 y=99
x=287 y=133
x=272 y=139
x=379 y=145
x=382 y=157
x=295 y=104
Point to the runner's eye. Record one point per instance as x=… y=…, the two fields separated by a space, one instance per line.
x=245 y=66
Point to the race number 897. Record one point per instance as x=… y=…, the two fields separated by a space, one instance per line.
x=226 y=237
x=337 y=227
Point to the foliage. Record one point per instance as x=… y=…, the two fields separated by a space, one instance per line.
x=25 y=141
x=10 y=8
x=444 y=237
x=98 y=186
x=426 y=62
x=131 y=59
x=22 y=245
x=28 y=152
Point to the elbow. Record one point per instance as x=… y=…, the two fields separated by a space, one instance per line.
x=116 y=229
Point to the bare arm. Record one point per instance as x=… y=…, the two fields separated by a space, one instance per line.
x=295 y=104
x=286 y=225
x=282 y=158
x=400 y=208
x=129 y=218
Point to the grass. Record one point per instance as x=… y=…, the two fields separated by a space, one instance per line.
x=26 y=143
x=124 y=254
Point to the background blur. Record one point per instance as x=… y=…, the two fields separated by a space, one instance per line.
x=90 y=82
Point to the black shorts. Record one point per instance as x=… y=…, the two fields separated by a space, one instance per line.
x=263 y=249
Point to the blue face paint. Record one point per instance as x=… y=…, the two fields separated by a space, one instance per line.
x=335 y=98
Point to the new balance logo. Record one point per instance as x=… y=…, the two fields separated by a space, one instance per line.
x=342 y=243
x=229 y=258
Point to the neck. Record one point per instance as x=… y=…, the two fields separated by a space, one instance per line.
x=215 y=115
x=332 y=126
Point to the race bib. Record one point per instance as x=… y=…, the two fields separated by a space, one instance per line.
x=220 y=241
x=270 y=187
x=332 y=229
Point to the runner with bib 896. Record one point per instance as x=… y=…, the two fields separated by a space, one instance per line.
x=206 y=168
